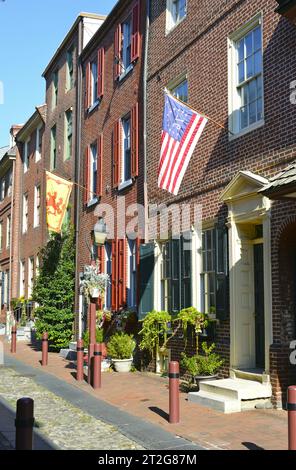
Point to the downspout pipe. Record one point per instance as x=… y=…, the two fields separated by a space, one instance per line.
x=145 y=75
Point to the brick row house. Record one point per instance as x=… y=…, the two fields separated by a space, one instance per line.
x=111 y=169
x=231 y=60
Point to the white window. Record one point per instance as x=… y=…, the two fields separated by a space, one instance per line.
x=30 y=277
x=25 y=213
x=37 y=266
x=55 y=88
x=246 y=78
x=176 y=12
x=38 y=149
x=2 y=189
x=94 y=82
x=22 y=278
x=37 y=204
x=8 y=230
x=126 y=29
x=9 y=182
x=132 y=273
x=26 y=155
x=180 y=90
x=6 y=287
x=126 y=150
x=93 y=172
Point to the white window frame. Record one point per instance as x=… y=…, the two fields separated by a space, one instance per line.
x=94 y=83
x=38 y=142
x=31 y=271
x=22 y=278
x=126 y=67
x=170 y=21
x=93 y=168
x=124 y=182
x=25 y=218
x=26 y=155
x=36 y=207
x=233 y=96
x=8 y=231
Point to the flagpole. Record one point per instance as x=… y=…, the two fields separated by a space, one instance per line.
x=73 y=182
x=202 y=114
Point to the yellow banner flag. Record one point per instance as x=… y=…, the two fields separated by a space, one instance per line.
x=58 y=192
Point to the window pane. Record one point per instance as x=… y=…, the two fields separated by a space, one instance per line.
x=258 y=62
x=259 y=109
x=248 y=42
x=244 y=117
x=257 y=38
x=241 y=72
x=259 y=87
x=252 y=90
x=252 y=113
x=250 y=66
x=245 y=95
x=240 y=49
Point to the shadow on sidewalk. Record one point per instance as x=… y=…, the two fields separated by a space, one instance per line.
x=159 y=412
x=252 y=446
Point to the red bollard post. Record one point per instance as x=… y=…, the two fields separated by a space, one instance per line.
x=45 y=349
x=24 y=424
x=97 y=366
x=291 y=406
x=13 y=340
x=92 y=337
x=80 y=354
x=174 y=406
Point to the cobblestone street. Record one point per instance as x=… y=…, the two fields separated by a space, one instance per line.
x=63 y=424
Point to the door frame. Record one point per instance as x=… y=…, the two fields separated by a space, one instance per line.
x=246 y=205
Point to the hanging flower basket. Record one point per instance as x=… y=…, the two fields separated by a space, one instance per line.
x=94 y=283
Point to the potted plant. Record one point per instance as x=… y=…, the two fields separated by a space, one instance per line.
x=120 y=348
x=202 y=366
x=93 y=283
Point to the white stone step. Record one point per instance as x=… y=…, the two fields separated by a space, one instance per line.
x=214 y=401
x=237 y=389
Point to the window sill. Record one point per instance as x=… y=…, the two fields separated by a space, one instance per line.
x=126 y=72
x=243 y=132
x=93 y=106
x=125 y=184
x=92 y=202
x=174 y=26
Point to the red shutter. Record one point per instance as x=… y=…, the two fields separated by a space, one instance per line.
x=100 y=166
x=101 y=260
x=114 y=283
x=101 y=71
x=121 y=272
x=136 y=32
x=87 y=86
x=86 y=177
x=135 y=140
x=117 y=52
x=138 y=243
x=116 y=153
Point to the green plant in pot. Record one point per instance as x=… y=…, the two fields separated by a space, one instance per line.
x=202 y=366
x=120 y=348
x=155 y=330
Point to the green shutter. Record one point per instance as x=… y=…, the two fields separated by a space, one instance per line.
x=222 y=278
x=175 y=287
x=146 y=303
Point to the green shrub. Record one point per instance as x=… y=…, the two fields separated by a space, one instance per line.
x=121 y=346
x=202 y=364
x=99 y=337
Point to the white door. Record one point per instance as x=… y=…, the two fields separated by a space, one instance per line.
x=244 y=312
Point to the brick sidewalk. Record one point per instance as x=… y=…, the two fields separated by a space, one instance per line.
x=146 y=396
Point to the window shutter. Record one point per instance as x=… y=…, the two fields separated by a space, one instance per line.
x=101 y=72
x=116 y=153
x=86 y=176
x=146 y=279
x=222 y=279
x=101 y=260
x=138 y=246
x=100 y=166
x=135 y=53
x=135 y=140
x=114 y=276
x=176 y=281
x=186 y=273
x=87 y=86
x=121 y=272
x=117 y=52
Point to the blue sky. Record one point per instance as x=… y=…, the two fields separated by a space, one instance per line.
x=30 y=32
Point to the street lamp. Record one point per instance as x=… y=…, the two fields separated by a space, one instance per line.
x=100 y=232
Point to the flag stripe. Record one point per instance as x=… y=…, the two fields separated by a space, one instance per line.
x=171 y=159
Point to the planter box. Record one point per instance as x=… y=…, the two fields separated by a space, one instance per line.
x=122 y=365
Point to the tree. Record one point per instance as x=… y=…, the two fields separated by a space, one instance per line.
x=54 y=289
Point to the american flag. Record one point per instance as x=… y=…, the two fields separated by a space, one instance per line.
x=182 y=127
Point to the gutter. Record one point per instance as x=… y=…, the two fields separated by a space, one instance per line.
x=145 y=76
